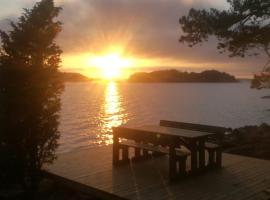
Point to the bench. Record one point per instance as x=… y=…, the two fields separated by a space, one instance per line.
x=213 y=144
x=141 y=151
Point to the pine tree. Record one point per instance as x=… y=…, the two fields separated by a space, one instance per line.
x=29 y=95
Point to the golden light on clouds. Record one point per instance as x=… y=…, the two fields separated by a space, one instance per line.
x=111 y=63
x=137 y=35
x=114 y=64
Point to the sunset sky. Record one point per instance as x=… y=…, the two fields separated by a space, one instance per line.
x=132 y=36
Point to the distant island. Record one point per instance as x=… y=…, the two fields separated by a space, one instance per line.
x=212 y=76
x=73 y=77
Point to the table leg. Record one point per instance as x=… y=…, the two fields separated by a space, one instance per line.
x=172 y=162
x=115 y=148
x=194 y=158
x=137 y=153
x=125 y=153
x=201 y=153
x=219 y=157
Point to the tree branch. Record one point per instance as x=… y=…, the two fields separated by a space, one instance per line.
x=266 y=49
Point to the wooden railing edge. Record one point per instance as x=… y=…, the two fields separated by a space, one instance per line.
x=93 y=192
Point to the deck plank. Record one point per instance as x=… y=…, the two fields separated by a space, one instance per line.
x=240 y=178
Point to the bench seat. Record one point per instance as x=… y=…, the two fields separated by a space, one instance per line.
x=210 y=146
x=153 y=148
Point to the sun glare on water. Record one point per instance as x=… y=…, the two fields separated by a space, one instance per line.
x=111 y=65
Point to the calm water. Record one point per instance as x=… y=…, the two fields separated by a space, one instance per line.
x=89 y=110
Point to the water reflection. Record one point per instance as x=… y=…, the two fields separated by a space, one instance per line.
x=113 y=113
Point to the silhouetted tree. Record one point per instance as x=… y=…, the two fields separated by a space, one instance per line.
x=243 y=29
x=29 y=95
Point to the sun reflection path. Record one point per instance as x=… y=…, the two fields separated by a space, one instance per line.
x=113 y=114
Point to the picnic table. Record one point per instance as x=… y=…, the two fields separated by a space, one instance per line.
x=173 y=138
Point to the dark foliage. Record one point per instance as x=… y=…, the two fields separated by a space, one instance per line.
x=250 y=141
x=261 y=81
x=243 y=29
x=29 y=95
x=177 y=76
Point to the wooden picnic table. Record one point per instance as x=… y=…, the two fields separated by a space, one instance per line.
x=166 y=136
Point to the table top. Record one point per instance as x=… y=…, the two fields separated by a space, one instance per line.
x=156 y=129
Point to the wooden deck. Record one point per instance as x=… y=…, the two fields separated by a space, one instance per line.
x=91 y=170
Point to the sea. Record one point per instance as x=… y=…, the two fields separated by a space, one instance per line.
x=90 y=109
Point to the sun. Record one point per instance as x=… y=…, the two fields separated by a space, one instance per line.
x=110 y=64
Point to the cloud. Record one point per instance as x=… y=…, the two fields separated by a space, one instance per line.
x=145 y=28
x=136 y=24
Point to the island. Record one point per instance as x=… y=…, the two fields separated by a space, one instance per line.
x=178 y=76
x=72 y=77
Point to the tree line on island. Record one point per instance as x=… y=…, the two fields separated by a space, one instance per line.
x=173 y=75
x=72 y=77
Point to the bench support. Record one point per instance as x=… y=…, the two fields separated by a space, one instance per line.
x=182 y=166
x=172 y=162
x=215 y=157
x=115 y=148
x=142 y=152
